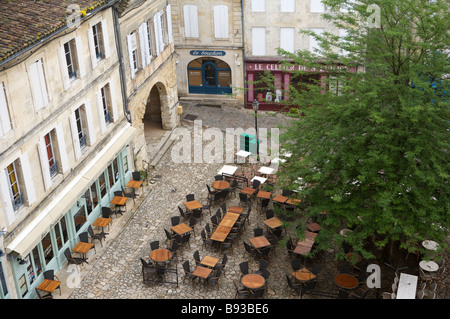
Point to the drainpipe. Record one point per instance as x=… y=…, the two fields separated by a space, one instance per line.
x=121 y=68
x=243 y=54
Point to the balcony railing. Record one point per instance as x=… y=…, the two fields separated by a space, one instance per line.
x=107 y=117
x=82 y=141
x=54 y=169
x=17 y=201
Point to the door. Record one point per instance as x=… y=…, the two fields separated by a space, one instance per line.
x=209 y=71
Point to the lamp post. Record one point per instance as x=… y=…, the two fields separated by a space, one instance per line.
x=255 y=106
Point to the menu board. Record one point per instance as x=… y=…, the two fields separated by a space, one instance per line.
x=195 y=77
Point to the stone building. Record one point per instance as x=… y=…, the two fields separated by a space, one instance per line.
x=147 y=49
x=64 y=138
x=208 y=43
x=269 y=25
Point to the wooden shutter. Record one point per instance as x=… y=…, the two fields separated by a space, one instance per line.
x=36 y=86
x=92 y=48
x=5 y=120
x=75 y=137
x=190 y=21
x=115 y=113
x=80 y=57
x=221 y=21
x=131 y=41
x=62 y=151
x=63 y=67
x=169 y=22
x=91 y=138
x=101 y=114
x=259 y=41
x=28 y=178
x=287 y=5
x=6 y=197
x=316 y=6
x=143 y=43
x=105 y=32
x=44 y=164
x=287 y=39
x=258 y=5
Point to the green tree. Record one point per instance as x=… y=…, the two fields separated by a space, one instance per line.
x=373 y=147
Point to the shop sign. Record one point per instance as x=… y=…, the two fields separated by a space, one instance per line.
x=280 y=67
x=207 y=52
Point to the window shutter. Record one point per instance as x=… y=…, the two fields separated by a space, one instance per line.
x=287 y=39
x=44 y=164
x=101 y=114
x=91 y=138
x=130 y=53
x=287 y=5
x=80 y=56
x=36 y=86
x=27 y=178
x=63 y=66
x=169 y=22
x=160 y=31
x=5 y=124
x=148 y=33
x=316 y=6
x=62 y=148
x=221 y=21
x=92 y=48
x=143 y=44
x=42 y=85
x=6 y=197
x=75 y=138
x=258 y=5
x=156 y=28
x=258 y=41
x=313 y=42
x=190 y=21
x=106 y=46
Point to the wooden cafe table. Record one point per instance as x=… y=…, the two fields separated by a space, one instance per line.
x=82 y=248
x=259 y=242
x=346 y=281
x=293 y=201
x=235 y=210
x=248 y=191
x=134 y=185
x=253 y=281
x=102 y=222
x=119 y=201
x=273 y=223
x=194 y=204
x=220 y=185
x=209 y=261
x=280 y=199
x=221 y=233
x=202 y=272
x=160 y=255
x=314 y=227
x=181 y=229
x=303 y=274
x=49 y=285
x=263 y=195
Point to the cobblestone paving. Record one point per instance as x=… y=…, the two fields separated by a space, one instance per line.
x=114 y=272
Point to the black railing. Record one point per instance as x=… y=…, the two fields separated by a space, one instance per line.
x=18 y=201
x=54 y=169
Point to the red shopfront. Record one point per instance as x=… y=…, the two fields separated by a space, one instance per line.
x=284 y=77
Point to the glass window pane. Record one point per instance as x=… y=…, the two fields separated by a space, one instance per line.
x=48 y=249
x=79 y=218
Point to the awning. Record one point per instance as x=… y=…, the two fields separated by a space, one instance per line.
x=33 y=233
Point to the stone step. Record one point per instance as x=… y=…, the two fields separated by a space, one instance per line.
x=155 y=153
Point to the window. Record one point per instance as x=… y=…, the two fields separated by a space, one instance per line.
x=113 y=172
x=34 y=267
x=53 y=155
x=79 y=218
x=71 y=61
x=190 y=21
x=61 y=233
x=287 y=5
x=102 y=184
x=38 y=86
x=316 y=6
x=52 y=163
x=69 y=48
x=258 y=41
x=258 y=5
x=313 y=43
x=132 y=52
x=83 y=133
x=90 y=197
x=47 y=247
x=162 y=29
x=5 y=120
x=106 y=104
x=4 y=286
x=287 y=39
x=221 y=21
x=14 y=187
x=98 y=40
x=79 y=126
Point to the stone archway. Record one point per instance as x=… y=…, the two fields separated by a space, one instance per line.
x=154 y=121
